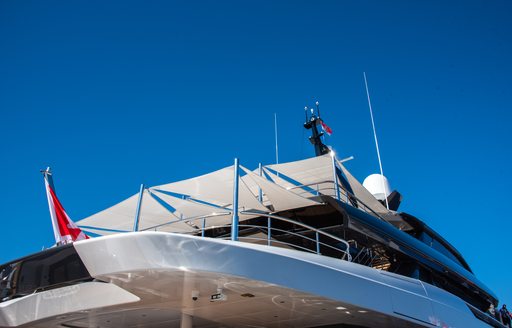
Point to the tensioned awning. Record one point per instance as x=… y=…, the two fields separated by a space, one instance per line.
x=315 y=173
x=280 y=198
x=183 y=205
x=215 y=188
x=121 y=217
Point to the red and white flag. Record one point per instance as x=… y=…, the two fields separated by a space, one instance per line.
x=326 y=128
x=64 y=229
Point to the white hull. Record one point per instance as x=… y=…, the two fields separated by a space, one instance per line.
x=151 y=278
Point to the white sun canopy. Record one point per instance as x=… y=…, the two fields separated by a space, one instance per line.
x=120 y=217
x=279 y=197
x=366 y=199
x=362 y=194
x=207 y=200
x=215 y=188
x=192 y=213
x=315 y=173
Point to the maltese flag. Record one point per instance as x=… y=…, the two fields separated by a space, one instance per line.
x=64 y=229
x=325 y=127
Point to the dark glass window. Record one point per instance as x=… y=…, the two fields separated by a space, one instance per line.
x=443 y=250
x=45 y=270
x=426 y=238
x=435 y=244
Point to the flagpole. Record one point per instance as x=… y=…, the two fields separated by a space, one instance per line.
x=64 y=229
x=48 y=182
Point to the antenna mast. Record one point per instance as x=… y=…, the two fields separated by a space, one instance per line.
x=376 y=141
x=312 y=123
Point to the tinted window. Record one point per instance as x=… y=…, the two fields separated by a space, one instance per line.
x=443 y=250
x=435 y=244
x=48 y=269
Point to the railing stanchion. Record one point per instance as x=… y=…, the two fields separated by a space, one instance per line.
x=317 y=243
x=204 y=227
x=269 y=231
x=260 y=192
x=335 y=176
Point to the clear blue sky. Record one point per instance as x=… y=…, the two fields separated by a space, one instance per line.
x=113 y=94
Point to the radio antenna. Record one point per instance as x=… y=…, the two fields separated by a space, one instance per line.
x=376 y=141
x=275 y=130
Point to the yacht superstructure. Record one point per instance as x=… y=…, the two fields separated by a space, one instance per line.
x=298 y=244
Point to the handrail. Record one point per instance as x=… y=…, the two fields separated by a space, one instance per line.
x=269 y=228
x=316 y=240
x=317 y=231
x=195 y=218
x=291 y=233
x=277 y=242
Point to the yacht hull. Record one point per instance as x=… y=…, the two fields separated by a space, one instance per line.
x=157 y=279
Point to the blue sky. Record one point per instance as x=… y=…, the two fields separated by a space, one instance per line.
x=114 y=94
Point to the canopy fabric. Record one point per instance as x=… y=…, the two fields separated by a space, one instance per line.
x=315 y=172
x=186 y=209
x=122 y=215
x=215 y=188
x=100 y=232
x=184 y=206
x=192 y=213
x=280 y=198
x=362 y=194
x=197 y=215
x=255 y=189
x=290 y=186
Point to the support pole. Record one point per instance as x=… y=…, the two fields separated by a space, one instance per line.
x=234 y=224
x=137 y=211
x=269 y=231
x=334 y=175
x=49 y=180
x=260 y=192
x=186 y=321
x=317 y=243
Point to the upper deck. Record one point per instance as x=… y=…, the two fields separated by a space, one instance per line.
x=314 y=205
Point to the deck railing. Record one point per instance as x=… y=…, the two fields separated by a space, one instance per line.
x=321 y=242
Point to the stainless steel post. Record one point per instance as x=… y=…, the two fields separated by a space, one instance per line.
x=234 y=224
x=334 y=176
x=137 y=211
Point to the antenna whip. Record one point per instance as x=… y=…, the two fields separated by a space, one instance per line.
x=275 y=130
x=376 y=141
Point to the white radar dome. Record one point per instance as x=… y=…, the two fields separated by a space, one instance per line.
x=378 y=186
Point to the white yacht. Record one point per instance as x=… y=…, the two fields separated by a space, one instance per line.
x=299 y=244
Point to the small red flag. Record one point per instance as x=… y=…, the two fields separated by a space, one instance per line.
x=65 y=230
x=325 y=127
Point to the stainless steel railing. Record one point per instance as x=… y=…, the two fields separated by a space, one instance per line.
x=308 y=234
x=320 y=242
x=317 y=232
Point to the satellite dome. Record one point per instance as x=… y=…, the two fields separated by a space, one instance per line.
x=378 y=186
